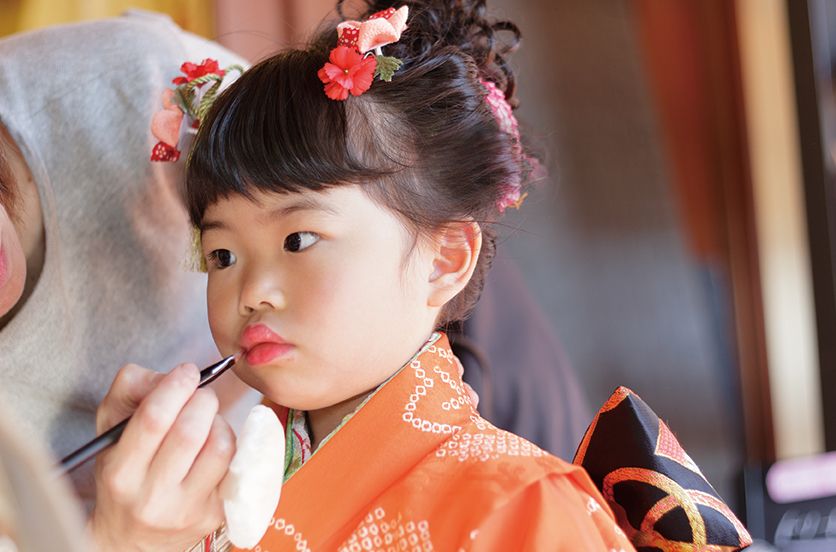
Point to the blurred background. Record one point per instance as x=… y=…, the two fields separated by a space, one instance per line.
x=685 y=244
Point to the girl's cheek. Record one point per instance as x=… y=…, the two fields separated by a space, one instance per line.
x=221 y=310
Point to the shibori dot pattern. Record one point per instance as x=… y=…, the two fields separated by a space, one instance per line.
x=482 y=441
x=486 y=444
x=428 y=377
x=471 y=539
x=378 y=531
x=283 y=527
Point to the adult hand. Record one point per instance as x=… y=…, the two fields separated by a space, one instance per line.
x=157 y=488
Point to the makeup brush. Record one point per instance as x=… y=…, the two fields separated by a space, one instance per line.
x=109 y=437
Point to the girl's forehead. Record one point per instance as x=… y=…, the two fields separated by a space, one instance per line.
x=269 y=201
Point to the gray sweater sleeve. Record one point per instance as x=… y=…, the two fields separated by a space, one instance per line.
x=78 y=100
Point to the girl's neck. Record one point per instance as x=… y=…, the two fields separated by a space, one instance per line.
x=325 y=420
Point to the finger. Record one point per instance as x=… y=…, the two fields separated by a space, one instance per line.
x=131 y=385
x=212 y=512
x=212 y=463
x=151 y=422
x=185 y=440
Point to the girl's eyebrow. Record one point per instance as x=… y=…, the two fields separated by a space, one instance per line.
x=211 y=225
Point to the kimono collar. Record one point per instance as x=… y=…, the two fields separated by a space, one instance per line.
x=298 y=433
x=405 y=419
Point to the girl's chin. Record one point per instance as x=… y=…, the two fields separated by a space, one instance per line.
x=295 y=399
x=273 y=386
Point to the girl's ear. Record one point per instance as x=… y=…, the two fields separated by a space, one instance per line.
x=456 y=251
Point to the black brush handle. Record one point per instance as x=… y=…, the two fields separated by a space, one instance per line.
x=111 y=436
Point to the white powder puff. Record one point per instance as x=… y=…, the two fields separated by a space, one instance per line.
x=253 y=484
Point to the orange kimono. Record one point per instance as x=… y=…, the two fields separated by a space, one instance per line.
x=416 y=468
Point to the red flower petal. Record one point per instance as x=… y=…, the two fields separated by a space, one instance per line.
x=345 y=57
x=348 y=71
x=323 y=75
x=193 y=71
x=335 y=91
x=333 y=71
x=345 y=80
x=211 y=67
x=188 y=67
x=363 y=75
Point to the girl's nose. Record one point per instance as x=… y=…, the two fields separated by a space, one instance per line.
x=261 y=291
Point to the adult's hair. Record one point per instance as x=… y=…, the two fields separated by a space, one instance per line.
x=425 y=145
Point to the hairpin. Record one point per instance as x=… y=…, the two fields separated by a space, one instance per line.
x=190 y=98
x=351 y=66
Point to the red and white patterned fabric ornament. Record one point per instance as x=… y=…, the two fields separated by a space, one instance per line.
x=351 y=67
x=164 y=152
x=381 y=28
x=192 y=97
x=165 y=126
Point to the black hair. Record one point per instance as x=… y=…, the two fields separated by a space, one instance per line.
x=426 y=145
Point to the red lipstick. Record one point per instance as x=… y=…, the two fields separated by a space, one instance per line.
x=262 y=345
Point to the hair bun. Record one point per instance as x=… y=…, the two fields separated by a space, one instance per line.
x=436 y=25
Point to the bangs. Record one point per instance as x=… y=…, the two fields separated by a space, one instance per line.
x=275 y=130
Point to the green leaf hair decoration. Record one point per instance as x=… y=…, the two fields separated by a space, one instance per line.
x=186 y=93
x=386 y=67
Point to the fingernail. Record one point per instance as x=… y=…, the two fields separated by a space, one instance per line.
x=188 y=372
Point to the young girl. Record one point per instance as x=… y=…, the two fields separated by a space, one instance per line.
x=345 y=220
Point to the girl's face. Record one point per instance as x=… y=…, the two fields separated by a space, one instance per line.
x=322 y=291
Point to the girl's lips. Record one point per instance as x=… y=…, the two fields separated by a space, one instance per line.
x=262 y=345
x=263 y=353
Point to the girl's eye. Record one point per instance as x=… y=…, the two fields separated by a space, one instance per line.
x=299 y=241
x=221 y=258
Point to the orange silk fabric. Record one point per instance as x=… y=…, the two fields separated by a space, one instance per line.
x=416 y=468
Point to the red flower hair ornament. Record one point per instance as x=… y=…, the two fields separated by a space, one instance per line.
x=351 y=68
x=347 y=71
x=190 y=100
x=194 y=71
